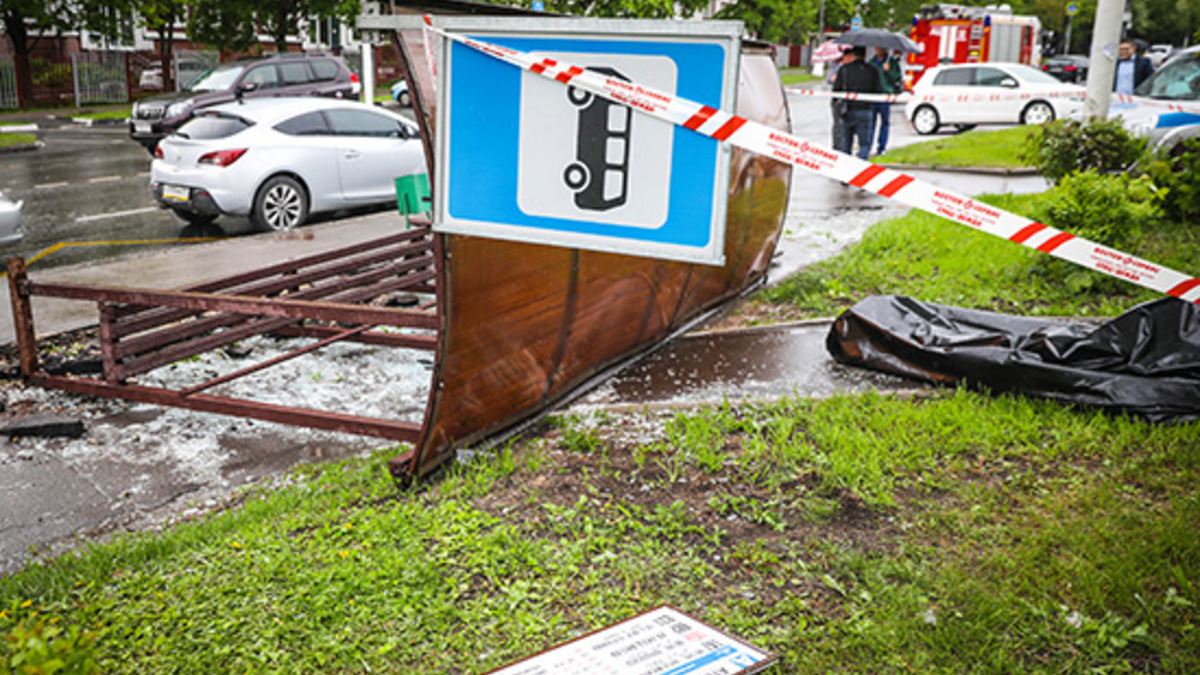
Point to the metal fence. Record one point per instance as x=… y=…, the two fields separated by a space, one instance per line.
x=100 y=77
x=8 y=84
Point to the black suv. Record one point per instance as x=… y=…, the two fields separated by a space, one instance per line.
x=292 y=74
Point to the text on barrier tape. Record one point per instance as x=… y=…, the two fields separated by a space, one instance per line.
x=1174 y=106
x=822 y=160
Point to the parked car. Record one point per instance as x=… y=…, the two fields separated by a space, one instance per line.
x=967 y=94
x=1158 y=54
x=1067 y=67
x=283 y=75
x=151 y=79
x=278 y=160
x=400 y=93
x=1179 y=81
x=10 y=221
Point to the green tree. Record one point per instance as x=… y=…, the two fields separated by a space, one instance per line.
x=626 y=9
x=160 y=16
x=779 y=21
x=894 y=15
x=26 y=22
x=234 y=24
x=1175 y=22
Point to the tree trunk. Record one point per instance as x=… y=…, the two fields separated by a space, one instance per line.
x=14 y=26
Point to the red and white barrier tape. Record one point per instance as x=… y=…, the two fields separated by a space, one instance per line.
x=820 y=159
x=1174 y=106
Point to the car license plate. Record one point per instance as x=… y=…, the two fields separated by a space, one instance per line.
x=141 y=127
x=176 y=193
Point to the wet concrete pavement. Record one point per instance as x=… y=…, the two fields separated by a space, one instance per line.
x=757 y=364
x=138 y=466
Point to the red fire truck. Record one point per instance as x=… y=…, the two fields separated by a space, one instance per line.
x=958 y=34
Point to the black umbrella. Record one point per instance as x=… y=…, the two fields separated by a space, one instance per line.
x=877 y=37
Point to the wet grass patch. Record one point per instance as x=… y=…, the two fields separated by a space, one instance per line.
x=955 y=532
x=938 y=261
x=1000 y=149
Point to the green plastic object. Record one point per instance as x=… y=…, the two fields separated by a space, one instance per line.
x=412 y=195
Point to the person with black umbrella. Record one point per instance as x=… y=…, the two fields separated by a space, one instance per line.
x=857 y=76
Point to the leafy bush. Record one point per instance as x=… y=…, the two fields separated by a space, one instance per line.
x=1177 y=172
x=1108 y=209
x=1066 y=146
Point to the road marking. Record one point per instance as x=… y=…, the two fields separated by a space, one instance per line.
x=104 y=179
x=120 y=242
x=47 y=186
x=115 y=214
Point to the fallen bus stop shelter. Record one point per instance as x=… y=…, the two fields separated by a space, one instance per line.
x=513 y=327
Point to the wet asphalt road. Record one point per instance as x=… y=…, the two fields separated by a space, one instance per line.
x=87 y=199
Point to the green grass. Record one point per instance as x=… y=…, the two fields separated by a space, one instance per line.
x=991 y=149
x=120 y=114
x=939 y=261
x=12 y=140
x=866 y=534
x=793 y=76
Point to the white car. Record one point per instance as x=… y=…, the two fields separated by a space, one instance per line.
x=1178 y=82
x=967 y=94
x=277 y=160
x=1159 y=53
x=10 y=221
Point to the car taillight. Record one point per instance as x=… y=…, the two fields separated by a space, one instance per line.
x=353 y=78
x=1069 y=68
x=221 y=157
x=158 y=151
x=1046 y=67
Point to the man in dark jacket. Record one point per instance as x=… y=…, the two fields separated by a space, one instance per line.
x=1132 y=68
x=856 y=75
x=891 y=75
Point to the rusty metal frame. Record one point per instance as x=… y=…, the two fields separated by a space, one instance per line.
x=320 y=296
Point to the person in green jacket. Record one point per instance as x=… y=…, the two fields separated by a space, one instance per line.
x=892 y=75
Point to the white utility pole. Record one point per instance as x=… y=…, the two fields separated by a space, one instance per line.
x=1102 y=60
x=368 y=71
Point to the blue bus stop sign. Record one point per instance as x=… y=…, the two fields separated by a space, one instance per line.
x=528 y=159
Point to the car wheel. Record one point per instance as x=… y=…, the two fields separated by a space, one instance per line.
x=964 y=127
x=405 y=99
x=1038 y=112
x=926 y=121
x=281 y=204
x=193 y=218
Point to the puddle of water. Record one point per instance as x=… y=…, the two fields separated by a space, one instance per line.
x=740 y=365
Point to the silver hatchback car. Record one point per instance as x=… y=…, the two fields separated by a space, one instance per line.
x=10 y=221
x=278 y=160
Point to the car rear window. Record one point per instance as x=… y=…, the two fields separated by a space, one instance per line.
x=209 y=126
x=325 y=70
x=365 y=123
x=308 y=124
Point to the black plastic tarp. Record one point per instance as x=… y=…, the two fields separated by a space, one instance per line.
x=1145 y=362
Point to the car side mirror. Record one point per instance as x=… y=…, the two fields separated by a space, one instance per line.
x=247 y=87
x=1008 y=82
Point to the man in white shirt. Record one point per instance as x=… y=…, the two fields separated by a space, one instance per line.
x=1132 y=68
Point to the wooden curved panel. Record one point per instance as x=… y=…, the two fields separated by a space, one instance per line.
x=524 y=324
